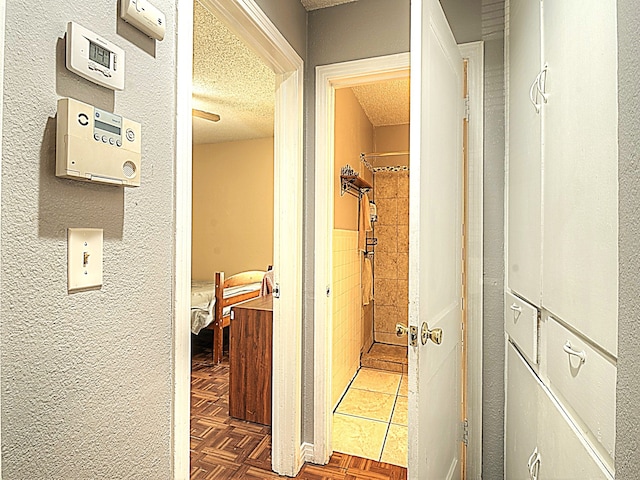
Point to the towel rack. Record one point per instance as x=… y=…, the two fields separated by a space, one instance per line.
x=370 y=243
x=353 y=185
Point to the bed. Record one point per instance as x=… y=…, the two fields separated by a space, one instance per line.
x=211 y=302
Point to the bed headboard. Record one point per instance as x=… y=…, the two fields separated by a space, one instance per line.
x=242 y=278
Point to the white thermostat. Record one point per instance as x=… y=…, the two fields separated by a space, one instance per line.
x=144 y=16
x=94 y=58
x=95 y=145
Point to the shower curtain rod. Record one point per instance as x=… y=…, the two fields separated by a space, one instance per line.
x=383 y=154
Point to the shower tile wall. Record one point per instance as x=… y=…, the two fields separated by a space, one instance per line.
x=391 y=260
x=347 y=305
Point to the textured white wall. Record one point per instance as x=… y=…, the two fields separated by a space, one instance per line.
x=628 y=400
x=86 y=380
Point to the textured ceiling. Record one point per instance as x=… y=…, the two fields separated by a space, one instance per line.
x=316 y=4
x=231 y=81
x=385 y=103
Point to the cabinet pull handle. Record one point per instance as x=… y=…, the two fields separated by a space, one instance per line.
x=534 y=86
x=534 y=464
x=516 y=308
x=541 y=84
x=569 y=349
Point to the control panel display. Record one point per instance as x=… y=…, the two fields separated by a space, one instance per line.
x=99 y=54
x=94 y=57
x=95 y=145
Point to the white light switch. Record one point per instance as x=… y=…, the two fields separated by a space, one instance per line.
x=84 y=258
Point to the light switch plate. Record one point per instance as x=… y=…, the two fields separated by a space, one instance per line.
x=84 y=258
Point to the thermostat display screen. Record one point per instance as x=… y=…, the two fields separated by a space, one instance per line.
x=99 y=55
x=107 y=128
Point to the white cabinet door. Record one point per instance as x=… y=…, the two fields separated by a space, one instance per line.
x=564 y=454
x=580 y=233
x=524 y=223
x=521 y=421
x=584 y=381
x=535 y=422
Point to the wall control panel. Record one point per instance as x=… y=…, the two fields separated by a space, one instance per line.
x=95 y=145
x=144 y=16
x=94 y=58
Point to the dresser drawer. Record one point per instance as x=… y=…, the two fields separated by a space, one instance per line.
x=521 y=323
x=585 y=382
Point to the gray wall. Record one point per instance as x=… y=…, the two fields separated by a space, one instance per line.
x=379 y=27
x=346 y=32
x=628 y=400
x=290 y=17
x=86 y=380
x=493 y=242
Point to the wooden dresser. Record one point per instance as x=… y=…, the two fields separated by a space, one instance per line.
x=250 y=348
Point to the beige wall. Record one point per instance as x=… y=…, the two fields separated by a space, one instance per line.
x=232 y=207
x=347 y=301
x=392 y=138
x=353 y=136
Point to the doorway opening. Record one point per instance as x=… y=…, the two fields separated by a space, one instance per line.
x=232 y=241
x=370 y=270
x=330 y=79
x=245 y=20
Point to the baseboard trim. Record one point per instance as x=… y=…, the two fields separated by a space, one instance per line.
x=306 y=452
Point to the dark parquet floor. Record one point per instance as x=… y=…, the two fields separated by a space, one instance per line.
x=225 y=448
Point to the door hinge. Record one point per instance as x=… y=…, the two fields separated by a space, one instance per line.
x=276 y=291
x=464 y=432
x=466 y=108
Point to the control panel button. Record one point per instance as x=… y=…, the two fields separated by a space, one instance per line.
x=130 y=135
x=104 y=139
x=118 y=143
x=112 y=141
x=96 y=136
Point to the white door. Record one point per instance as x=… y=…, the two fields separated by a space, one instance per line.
x=435 y=254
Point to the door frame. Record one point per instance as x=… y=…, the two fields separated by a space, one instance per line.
x=3 y=5
x=251 y=24
x=345 y=74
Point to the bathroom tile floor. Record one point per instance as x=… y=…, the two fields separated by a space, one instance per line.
x=371 y=419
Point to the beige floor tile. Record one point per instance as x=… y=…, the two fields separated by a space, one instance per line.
x=364 y=404
x=377 y=381
x=396 y=446
x=358 y=436
x=400 y=413
x=382 y=364
x=390 y=352
x=404 y=386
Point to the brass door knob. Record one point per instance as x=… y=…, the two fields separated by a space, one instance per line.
x=434 y=335
x=401 y=329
